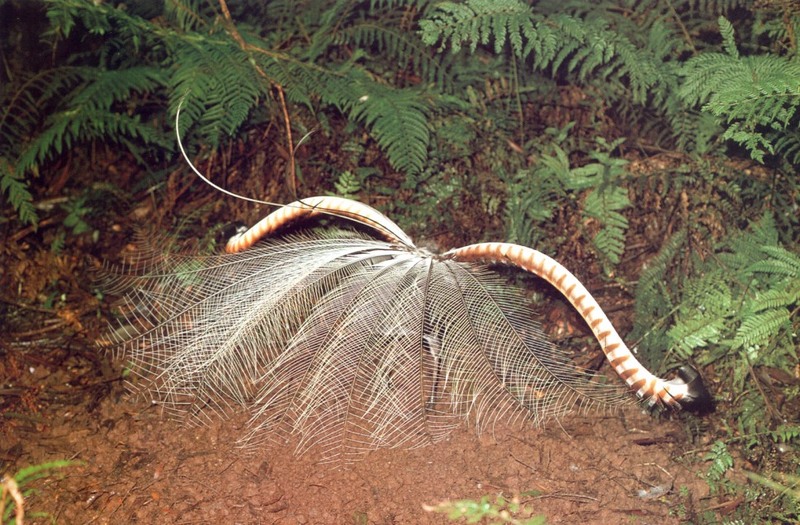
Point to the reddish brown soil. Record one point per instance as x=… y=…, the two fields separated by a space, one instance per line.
x=140 y=467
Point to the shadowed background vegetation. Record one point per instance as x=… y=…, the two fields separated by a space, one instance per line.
x=653 y=145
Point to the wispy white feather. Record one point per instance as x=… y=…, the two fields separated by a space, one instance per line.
x=348 y=342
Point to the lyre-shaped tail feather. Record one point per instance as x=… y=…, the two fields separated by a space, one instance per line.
x=350 y=343
x=321 y=205
x=353 y=344
x=403 y=350
x=686 y=390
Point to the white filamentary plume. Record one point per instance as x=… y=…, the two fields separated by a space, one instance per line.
x=353 y=343
x=330 y=338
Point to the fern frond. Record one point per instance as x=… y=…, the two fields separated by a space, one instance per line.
x=774 y=298
x=745 y=249
x=758 y=328
x=605 y=204
x=786 y=144
x=67 y=128
x=650 y=287
x=25 y=104
x=17 y=193
x=779 y=262
x=654 y=299
x=786 y=433
x=715 y=6
x=186 y=14
x=347 y=185
x=398 y=119
x=583 y=47
x=219 y=85
x=702 y=315
x=728 y=43
x=747 y=93
x=105 y=87
x=721 y=461
x=395 y=44
x=478 y=22
x=531 y=199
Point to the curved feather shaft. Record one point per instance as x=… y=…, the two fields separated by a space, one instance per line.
x=643 y=382
x=312 y=206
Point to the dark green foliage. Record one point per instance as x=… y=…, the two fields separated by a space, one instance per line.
x=535 y=194
x=749 y=94
x=737 y=310
x=559 y=41
x=721 y=462
x=224 y=86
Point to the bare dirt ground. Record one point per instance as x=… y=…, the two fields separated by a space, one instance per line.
x=139 y=467
x=64 y=400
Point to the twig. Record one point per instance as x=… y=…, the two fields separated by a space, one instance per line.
x=56 y=325
x=10 y=487
x=683 y=27
x=231 y=26
x=565 y=495
x=287 y=122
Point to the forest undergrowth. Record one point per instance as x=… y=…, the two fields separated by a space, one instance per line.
x=652 y=144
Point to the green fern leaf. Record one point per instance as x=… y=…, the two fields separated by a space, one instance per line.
x=747 y=93
x=786 y=433
x=779 y=262
x=787 y=144
x=69 y=127
x=478 y=22
x=703 y=314
x=605 y=204
x=610 y=243
x=758 y=328
x=721 y=462
x=774 y=298
x=17 y=193
x=218 y=85
x=654 y=302
x=399 y=122
x=347 y=185
x=728 y=42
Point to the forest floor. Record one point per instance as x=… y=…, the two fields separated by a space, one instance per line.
x=63 y=399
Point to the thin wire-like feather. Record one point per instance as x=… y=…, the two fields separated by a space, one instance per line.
x=349 y=343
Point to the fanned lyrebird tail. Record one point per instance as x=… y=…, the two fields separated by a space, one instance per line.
x=352 y=343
